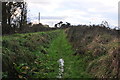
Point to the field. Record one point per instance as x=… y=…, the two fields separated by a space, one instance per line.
x=36 y=55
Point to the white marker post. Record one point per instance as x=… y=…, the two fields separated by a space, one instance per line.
x=61 y=67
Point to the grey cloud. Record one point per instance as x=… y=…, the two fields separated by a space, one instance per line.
x=39 y=1
x=50 y=17
x=53 y=17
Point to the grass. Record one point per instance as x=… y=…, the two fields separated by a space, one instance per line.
x=35 y=55
x=24 y=49
x=60 y=48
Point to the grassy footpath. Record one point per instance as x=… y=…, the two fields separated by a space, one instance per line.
x=61 y=48
x=35 y=55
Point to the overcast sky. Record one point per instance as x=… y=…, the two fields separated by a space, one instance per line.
x=74 y=11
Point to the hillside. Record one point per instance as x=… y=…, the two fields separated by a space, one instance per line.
x=22 y=54
x=88 y=52
x=100 y=47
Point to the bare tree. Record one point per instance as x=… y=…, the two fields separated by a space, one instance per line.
x=104 y=24
x=14 y=15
